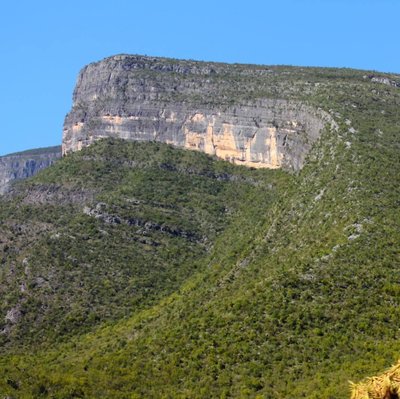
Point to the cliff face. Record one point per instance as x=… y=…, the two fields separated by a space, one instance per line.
x=195 y=105
x=25 y=164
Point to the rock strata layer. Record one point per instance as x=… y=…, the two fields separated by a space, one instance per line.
x=187 y=104
x=25 y=164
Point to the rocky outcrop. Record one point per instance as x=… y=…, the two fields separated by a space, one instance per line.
x=190 y=104
x=384 y=80
x=25 y=164
x=99 y=212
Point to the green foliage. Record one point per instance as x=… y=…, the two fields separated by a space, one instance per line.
x=134 y=221
x=261 y=284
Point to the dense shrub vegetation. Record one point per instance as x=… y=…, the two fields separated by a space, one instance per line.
x=111 y=230
x=140 y=270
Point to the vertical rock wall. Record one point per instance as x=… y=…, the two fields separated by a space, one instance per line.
x=25 y=164
x=183 y=103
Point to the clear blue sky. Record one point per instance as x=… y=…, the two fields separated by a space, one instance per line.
x=45 y=43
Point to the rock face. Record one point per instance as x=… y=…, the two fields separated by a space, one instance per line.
x=25 y=164
x=192 y=105
x=384 y=80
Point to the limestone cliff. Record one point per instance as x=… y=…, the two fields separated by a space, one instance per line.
x=25 y=164
x=202 y=106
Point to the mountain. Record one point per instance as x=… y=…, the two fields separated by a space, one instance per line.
x=136 y=269
x=25 y=164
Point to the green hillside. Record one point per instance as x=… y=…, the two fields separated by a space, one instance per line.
x=137 y=270
x=111 y=230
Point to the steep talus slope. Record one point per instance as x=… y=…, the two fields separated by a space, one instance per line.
x=297 y=293
x=25 y=164
x=224 y=110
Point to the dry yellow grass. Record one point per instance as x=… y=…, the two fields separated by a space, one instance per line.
x=384 y=386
